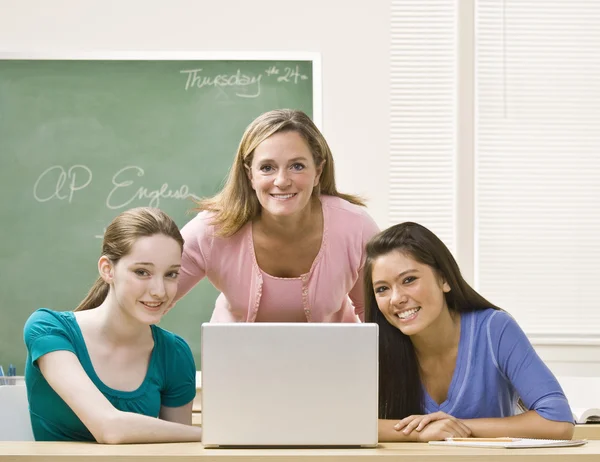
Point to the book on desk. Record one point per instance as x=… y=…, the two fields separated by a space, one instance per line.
x=582 y=393
x=586 y=416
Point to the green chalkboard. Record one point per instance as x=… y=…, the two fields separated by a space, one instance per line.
x=82 y=140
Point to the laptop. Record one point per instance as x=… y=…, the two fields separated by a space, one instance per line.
x=289 y=384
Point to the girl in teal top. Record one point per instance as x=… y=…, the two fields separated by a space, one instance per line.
x=106 y=372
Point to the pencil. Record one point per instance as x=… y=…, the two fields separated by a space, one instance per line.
x=485 y=440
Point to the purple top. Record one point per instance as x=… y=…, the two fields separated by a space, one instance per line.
x=496 y=364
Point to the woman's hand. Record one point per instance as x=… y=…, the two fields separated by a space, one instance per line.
x=436 y=426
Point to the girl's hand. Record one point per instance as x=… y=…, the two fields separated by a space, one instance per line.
x=420 y=422
x=439 y=430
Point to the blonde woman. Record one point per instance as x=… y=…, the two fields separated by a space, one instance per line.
x=279 y=241
x=105 y=372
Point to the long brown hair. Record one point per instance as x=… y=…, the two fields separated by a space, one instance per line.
x=119 y=238
x=400 y=392
x=237 y=203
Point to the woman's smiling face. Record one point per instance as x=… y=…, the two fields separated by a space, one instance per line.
x=283 y=174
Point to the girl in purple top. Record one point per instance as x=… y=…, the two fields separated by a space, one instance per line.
x=451 y=364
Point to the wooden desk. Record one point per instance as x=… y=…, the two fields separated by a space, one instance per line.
x=582 y=432
x=179 y=452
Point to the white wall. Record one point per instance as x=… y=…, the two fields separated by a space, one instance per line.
x=355 y=97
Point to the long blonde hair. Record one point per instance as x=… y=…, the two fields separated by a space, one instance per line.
x=237 y=203
x=119 y=238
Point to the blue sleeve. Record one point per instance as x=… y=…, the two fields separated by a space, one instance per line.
x=44 y=333
x=180 y=386
x=524 y=369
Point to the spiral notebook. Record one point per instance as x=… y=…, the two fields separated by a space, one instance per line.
x=509 y=443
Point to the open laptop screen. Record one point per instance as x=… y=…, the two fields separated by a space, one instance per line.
x=288 y=384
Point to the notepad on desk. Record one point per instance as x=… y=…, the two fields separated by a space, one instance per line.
x=509 y=443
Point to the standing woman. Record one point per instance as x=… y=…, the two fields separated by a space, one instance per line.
x=451 y=364
x=106 y=372
x=279 y=241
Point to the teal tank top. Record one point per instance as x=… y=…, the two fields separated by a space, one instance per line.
x=170 y=379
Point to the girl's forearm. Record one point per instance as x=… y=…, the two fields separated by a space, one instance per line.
x=527 y=425
x=128 y=427
x=386 y=432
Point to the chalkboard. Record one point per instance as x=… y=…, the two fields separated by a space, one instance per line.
x=83 y=139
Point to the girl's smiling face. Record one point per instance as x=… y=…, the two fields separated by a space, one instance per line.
x=144 y=282
x=409 y=294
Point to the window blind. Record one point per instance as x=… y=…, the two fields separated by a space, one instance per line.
x=537 y=154
x=423 y=114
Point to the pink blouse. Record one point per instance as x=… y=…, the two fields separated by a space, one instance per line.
x=331 y=292
x=281 y=300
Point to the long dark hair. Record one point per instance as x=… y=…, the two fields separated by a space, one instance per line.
x=400 y=392
x=120 y=236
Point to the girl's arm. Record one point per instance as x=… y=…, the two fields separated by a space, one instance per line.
x=386 y=432
x=439 y=429
x=108 y=425
x=527 y=425
x=548 y=413
x=181 y=414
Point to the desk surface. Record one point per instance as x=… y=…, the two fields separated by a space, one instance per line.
x=587 y=432
x=420 y=452
x=582 y=432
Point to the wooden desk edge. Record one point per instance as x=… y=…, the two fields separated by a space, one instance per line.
x=420 y=452
x=587 y=432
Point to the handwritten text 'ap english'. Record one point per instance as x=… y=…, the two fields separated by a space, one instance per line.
x=59 y=184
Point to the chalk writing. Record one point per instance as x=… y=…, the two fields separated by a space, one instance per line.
x=291 y=75
x=123 y=185
x=245 y=85
x=52 y=183
x=273 y=70
x=58 y=183
x=101 y=236
x=195 y=78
